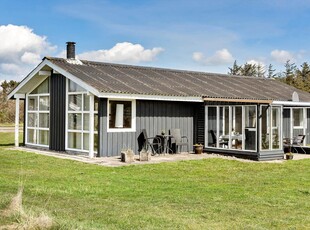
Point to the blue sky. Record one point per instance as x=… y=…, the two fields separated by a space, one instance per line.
x=196 y=35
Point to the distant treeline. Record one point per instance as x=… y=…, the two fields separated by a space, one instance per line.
x=7 y=107
x=298 y=77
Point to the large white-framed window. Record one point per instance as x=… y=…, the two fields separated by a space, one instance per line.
x=296 y=123
x=231 y=127
x=270 y=127
x=121 y=115
x=37 y=115
x=78 y=118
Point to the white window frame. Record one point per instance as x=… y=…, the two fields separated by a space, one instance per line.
x=133 y=117
x=231 y=123
x=82 y=112
x=37 y=112
x=271 y=128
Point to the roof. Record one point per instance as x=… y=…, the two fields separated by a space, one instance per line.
x=108 y=80
x=127 y=79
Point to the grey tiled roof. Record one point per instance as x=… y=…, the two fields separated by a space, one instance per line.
x=116 y=78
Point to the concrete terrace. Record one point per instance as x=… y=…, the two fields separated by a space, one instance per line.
x=116 y=161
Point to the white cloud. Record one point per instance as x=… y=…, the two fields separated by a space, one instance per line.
x=124 y=52
x=20 y=50
x=220 y=57
x=255 y=62
x=281 y=56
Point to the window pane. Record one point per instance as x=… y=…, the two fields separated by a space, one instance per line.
x=116 y=114
x=74 y=121
x=32 y=120
x=32 y=136
x=250 y=127
x=74 y=140
x=96 y=103
x=44 y=103
x=86 y=122
x=44 y=120
x=43 y=137
x=86 y=141
x=75 y=102
x=96 y=123
x=265 y=127
x=95 y=142
x=73 y=87
x=42 y=88
x=298 y=117
x=250 y=116
x=32 y=103
x=86 y=102
x=212 y=119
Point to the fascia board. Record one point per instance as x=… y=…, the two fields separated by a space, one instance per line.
x=46 y=62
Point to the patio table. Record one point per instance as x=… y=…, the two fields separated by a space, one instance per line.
x=166 y=147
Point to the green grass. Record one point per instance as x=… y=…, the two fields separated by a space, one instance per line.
x=204 y=194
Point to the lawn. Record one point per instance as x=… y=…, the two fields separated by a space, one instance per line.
x=204 y=194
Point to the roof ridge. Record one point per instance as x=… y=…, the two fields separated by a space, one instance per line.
x=158 y=68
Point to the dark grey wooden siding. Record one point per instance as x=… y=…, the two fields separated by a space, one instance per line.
x=199 y=123
x=153 y=116
x=286 y=123
x=307 y=141
x=57 y=112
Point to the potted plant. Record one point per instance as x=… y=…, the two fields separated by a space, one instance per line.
x=198 y=148
x=289 y=156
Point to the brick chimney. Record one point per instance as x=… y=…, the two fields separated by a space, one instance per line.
x=70 y=50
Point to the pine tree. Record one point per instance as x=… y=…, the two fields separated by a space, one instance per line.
x=235 y=69
x=271 y=71
x=260 y=71
x=302 y=80
x=249 y=70
x=289 y=73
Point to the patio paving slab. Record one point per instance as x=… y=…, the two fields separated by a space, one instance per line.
x=116 y=161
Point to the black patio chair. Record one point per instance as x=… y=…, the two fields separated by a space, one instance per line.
x=297 y=143
x=221 y=142
x=152 y=142
x=178 y=140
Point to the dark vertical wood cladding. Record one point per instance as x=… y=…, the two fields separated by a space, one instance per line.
x=199 y=123
x=308 y=127
x=57 y=112
x=153 y=116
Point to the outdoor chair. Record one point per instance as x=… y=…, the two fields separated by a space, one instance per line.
x=178 y=140
x=152 y=142
x=221 y=142
x=294 y=144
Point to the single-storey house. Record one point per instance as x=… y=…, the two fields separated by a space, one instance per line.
x=94 y=108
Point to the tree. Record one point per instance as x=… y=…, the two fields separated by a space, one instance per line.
x=235 y=69
x=260 y=71
x=7 y=86
x=302 y=78
x=271 y=71
x=7 y=107
x=289 y=73
x=249 y=70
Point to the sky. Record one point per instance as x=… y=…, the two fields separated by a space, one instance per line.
x=200 y=35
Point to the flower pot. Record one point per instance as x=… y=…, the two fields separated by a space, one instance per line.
x=198 y=149
x=289 y=156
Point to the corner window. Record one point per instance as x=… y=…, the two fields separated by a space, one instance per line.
x=78 y=118
x=121 y=116
x=37 y=115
